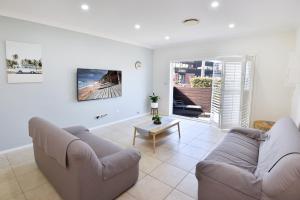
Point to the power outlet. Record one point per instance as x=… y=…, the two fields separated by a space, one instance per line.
x=101 y=116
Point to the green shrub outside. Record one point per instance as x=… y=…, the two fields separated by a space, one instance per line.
x=201 y=82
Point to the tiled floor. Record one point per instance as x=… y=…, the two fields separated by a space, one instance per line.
x=168 y=174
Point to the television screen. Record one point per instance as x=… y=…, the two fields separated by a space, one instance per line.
x=98 y=84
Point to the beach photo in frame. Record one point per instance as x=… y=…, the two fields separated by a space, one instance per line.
x=23 y=62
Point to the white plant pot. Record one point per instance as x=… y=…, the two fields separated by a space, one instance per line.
x=154 y=105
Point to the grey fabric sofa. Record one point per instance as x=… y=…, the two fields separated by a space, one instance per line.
x=249 y=165
x=80 y=165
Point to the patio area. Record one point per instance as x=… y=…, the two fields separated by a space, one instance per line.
x=192 y=102
x=192 y=88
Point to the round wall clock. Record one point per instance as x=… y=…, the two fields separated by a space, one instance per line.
x=138 y=65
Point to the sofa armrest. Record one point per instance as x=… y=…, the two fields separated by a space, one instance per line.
x=249 y=132
x=75 y=130
x=81 y=155
x=118 y=162
x=283 y=181
x=231 y=177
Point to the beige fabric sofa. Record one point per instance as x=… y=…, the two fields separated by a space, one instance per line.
x=249 y=165
x=80 y=165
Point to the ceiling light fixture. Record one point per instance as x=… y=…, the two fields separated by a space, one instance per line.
x=232 y=25
x=167 y=37
x=85 y=7
x=137 y=26
x=191 y=22
x=215 y=4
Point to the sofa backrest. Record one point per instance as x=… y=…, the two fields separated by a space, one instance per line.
x=53 y=140
x=283 y=140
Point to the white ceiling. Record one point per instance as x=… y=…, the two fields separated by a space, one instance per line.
x=115 y=19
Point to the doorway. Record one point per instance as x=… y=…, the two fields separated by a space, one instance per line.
x=192 y=83
x=217 y=91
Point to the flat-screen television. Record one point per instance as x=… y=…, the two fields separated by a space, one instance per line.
x=98 y=84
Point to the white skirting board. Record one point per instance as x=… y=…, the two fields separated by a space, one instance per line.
x=15 y=149
x=93 y=128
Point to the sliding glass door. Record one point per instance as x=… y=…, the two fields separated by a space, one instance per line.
x=218 y=90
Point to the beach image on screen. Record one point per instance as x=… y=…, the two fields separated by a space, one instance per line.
x=98 y=84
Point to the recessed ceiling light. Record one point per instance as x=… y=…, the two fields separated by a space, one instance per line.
x=167 y=37
x=137 y=26
x=215 y=4
x=85 y=7
x=191 y=22
x=232 y=25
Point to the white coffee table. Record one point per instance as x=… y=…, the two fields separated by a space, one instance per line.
x=152 y=130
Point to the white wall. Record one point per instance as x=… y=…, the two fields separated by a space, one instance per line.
x=295 y=108
x=55 y=98
x=271 y=98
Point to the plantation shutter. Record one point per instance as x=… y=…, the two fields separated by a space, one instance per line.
x=216 y=94
x=231 y=93
x=247 y=85
x=231 y=105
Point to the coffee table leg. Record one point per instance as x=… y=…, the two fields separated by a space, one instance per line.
x=153 y=137
x=178 y=126
x=134 y=135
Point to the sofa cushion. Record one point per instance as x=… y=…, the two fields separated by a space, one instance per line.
x=238 y=150
x=100 y=146
x=119 y=162
x=283 y=140
x=75 y=130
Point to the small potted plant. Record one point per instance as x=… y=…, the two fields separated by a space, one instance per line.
x=156 y=119
x=154 y=100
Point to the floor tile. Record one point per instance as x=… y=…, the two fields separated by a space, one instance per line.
x=150 y=188
x=144 y=146
x=17 y=197
x=195 y=152
x=148 y=163
x=189 y=186
x=102 y=131
x=184 y=138
x=169 y=174
x=3 y=162
x=31 y=180
x=203 y=144
x=177 y=195
x=126 y=196
x=9 y=189
x=43 y=192
x=6 y=174
x=162 y=154
x=193 y=171
x=141 y=175
x=211 y=137
x=184 y=162
x=24 y=168
x=20 y=156
x=173 y=145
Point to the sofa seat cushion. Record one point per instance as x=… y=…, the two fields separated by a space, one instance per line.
x=238 y=150
x=101 y=147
